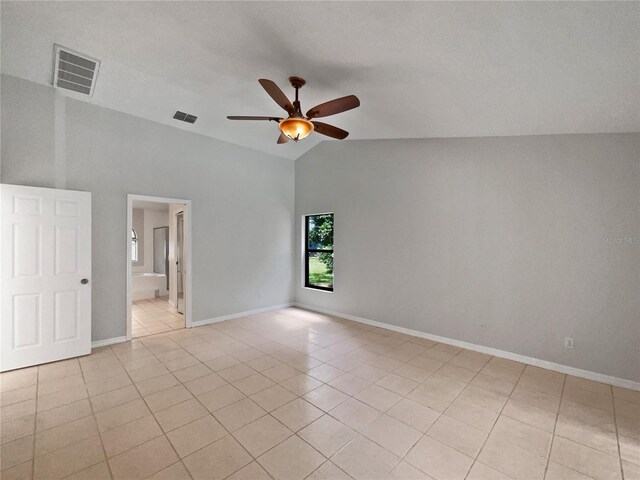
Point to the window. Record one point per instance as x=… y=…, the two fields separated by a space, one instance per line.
x=134 y=246
x=318 y=269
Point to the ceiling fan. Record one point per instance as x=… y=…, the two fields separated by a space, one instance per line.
x=298 y=126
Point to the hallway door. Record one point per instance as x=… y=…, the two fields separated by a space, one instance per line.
x=46 y=267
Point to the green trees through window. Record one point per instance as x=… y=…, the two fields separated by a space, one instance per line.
x=319 y=251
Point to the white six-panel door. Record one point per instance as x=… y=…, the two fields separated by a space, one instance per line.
x=45 y=289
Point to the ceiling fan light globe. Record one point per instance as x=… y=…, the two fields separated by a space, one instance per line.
x=296 y=128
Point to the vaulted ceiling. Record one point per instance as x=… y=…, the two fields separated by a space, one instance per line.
x=420 y=69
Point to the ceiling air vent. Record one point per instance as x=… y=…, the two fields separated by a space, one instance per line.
x=75 y=71
x=185 y=117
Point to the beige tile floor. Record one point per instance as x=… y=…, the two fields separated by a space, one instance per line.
x=154 y=316
x=293 y=394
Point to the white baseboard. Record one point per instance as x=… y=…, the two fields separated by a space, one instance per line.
x=231 y=316
x=577 y=372
x=108 y=341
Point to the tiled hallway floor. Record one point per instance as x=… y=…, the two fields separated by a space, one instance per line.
x=293 y=394
x=154 y=316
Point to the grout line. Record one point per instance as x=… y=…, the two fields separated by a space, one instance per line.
x=294 y=433
x=240 y=331
x=84 y=384
x=591 y=446
x=496 y=421
x=615 y=424
x=152 y=413
x=155 y=314
x=324 y=463
x=423 y=434
x=431 y=374
x=555 y=425
x=212 y=414
x=579 y=442
x=93 y=414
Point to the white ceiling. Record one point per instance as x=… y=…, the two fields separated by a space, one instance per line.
x=420 y=69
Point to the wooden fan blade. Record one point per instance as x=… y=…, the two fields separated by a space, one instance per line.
x=237 y=117
x=283 y=138
x=330 y=130
x=332 y=107
x=274 y=92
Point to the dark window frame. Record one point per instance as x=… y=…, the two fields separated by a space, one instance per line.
x=308 y=251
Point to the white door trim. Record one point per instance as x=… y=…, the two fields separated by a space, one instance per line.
x=187 y=234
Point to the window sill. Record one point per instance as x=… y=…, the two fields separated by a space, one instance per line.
x=317 y=289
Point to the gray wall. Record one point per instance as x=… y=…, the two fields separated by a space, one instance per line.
x=496 y=241
x=242 y=199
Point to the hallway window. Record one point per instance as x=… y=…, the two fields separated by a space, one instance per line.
x=134 y=246
x=319 y=251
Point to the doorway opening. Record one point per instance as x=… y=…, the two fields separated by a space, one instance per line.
x=158 y=265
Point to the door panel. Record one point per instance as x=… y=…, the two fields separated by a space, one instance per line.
x=26 y=205
x=66 y=208
x=66 y=315
x=46 y=252
x=27 y=248
x=26 y=320
x=66 y=258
